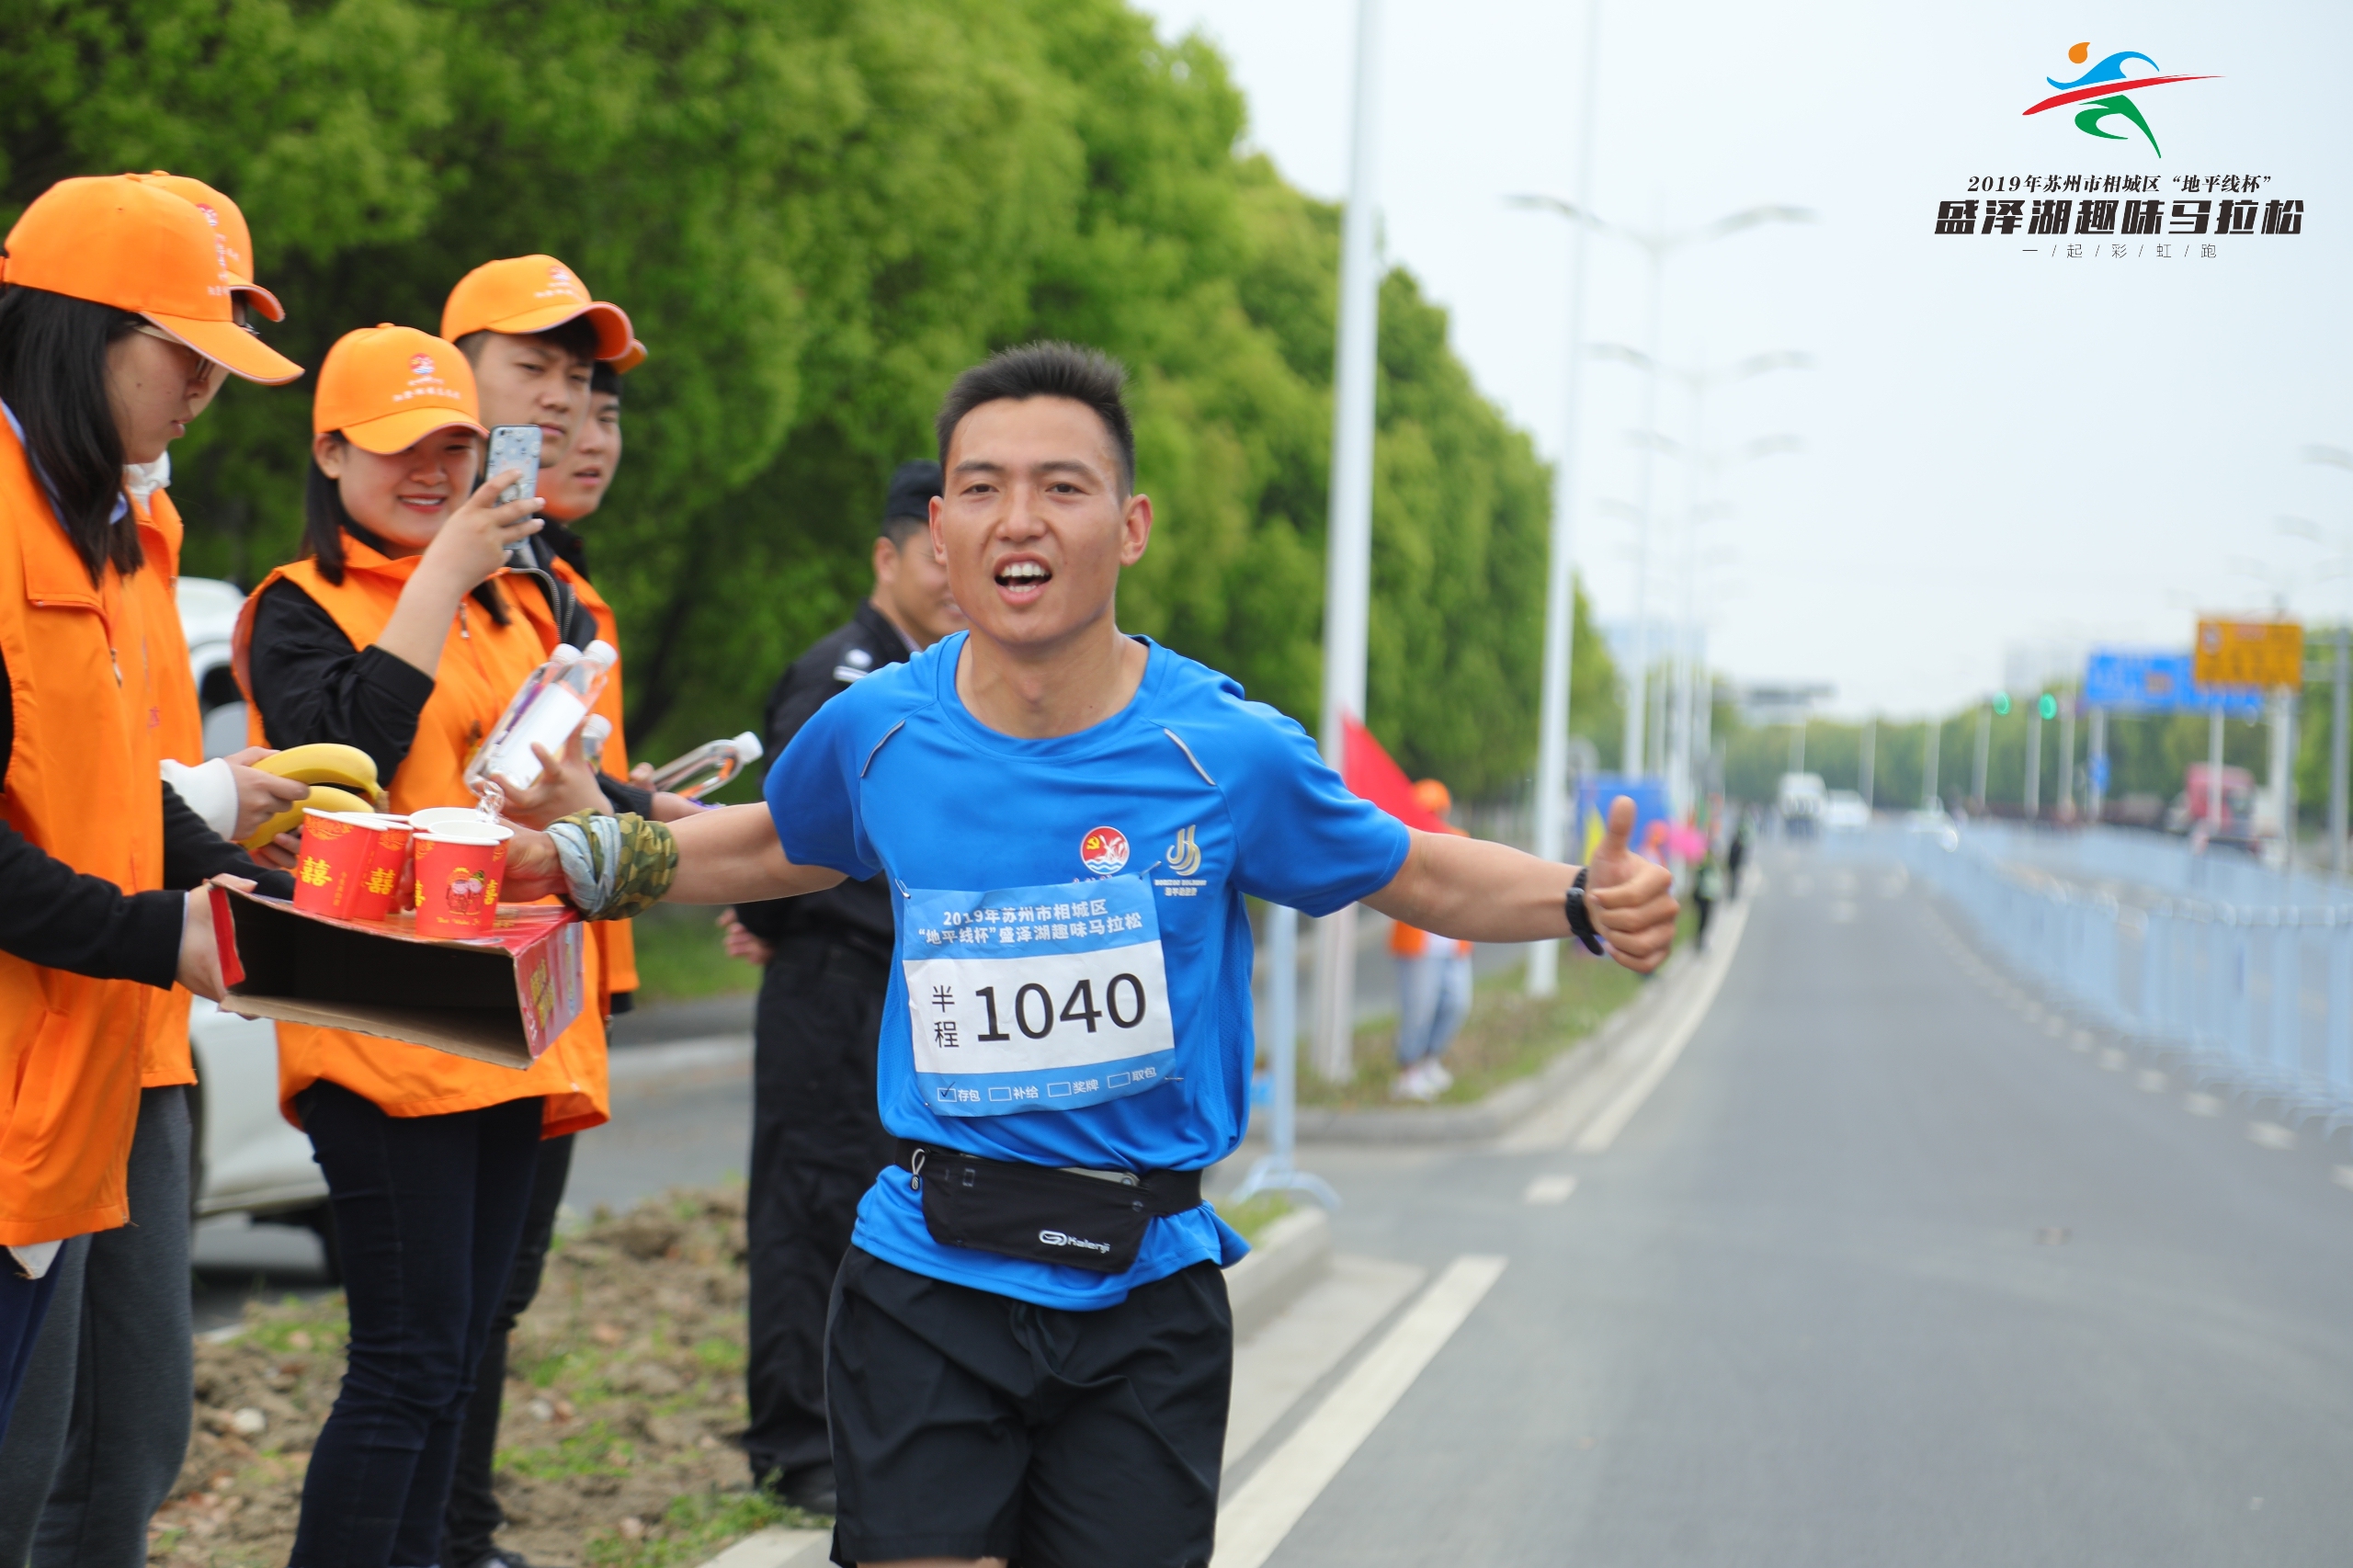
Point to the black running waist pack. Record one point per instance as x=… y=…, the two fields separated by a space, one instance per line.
x=1038 y=1212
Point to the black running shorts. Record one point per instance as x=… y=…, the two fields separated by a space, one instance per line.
x=971 y=1424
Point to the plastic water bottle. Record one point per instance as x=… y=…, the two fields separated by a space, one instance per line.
x=553 y=703
x=708 y=766
x=593 y=736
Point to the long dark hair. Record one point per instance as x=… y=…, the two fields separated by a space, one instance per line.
x=53 y=378
x=325 y=521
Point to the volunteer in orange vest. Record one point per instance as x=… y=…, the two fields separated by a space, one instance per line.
x=399 y=633
x=574 y=489
x=117 y=317
x=95 y=1443
x=1434 y=983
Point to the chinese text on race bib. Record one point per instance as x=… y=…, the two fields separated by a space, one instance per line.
x=1042 y=998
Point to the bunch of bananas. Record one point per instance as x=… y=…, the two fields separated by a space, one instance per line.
x=342 y=779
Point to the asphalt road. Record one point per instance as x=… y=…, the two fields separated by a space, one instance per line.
x=1893 y=1268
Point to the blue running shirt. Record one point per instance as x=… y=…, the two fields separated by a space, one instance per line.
x=1073 y=978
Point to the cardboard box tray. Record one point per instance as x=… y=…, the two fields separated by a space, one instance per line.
x=503 y=997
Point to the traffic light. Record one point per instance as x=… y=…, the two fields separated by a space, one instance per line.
x=2001 y=704
x=2048 y=707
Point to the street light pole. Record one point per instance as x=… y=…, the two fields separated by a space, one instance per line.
x=2034 y=763
x=1347 y=570
x=1985 y=749
x=1929 y=765
x=1560 y=580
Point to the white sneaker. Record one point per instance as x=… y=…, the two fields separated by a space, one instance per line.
x=1407 y=1084
x=1440 y=1080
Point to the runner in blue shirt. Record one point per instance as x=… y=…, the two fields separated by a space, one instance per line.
x=1030 y=1347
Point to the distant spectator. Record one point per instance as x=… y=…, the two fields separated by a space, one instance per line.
x=1433 y=987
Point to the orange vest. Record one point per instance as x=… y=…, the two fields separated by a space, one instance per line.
x=82 y=785
x=178 y=722
x=482 y=665
x=615 y=939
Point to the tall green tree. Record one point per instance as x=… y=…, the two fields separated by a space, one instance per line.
x=817 y=212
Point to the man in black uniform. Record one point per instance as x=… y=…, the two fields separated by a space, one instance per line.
x=817 y=1138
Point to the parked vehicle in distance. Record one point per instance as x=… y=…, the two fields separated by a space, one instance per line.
x=249 y=1158
x=2191 y=809
x=1934 y=821
x=1842 y=810
x=1800 y=803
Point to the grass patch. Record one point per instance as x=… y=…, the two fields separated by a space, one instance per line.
x=1255 y=1214
x=680 y=955
x=695 y=1529
x=1508 y=1035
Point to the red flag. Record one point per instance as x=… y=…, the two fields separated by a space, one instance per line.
x=1369 y=771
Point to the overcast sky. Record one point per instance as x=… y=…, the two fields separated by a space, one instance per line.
x=2000 y=447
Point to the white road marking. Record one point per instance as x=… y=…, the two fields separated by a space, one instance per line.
x=2112 y=1060
x=2055 y=1028
x=1842 y=914
x=2202 y=1105
x=1551 y=1187
x=1601 y=1090
x=1280 y=1492
x=2270 y=1134
x=1603 y=1130
x=2082 y=1038
x=1276 y=1367
x=2152 y=1082
x=2344 y=1177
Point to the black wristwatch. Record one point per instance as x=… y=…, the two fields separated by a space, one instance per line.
x=1580 y=921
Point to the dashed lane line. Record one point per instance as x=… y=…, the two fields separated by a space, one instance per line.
x=1278 y=1495
x=1554 y=1186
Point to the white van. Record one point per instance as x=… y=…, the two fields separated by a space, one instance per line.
x=250 y=1159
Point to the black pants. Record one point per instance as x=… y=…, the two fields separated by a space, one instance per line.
x=971 y=1425
x=817 y=1141
x=1706 y=906
x=428 y=1209
x=474 y=1514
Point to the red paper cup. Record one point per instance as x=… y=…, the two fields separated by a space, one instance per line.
x=335 y=850
x=457 y=872
x=382 y=874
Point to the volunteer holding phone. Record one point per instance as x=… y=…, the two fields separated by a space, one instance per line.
x=117 y=319
x=398 y=633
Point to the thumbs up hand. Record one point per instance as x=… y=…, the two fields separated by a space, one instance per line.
x=1629 y=898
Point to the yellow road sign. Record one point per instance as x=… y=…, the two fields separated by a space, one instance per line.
x=2249 y=652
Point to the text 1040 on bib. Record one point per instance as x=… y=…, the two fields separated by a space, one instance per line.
x=1042 y=998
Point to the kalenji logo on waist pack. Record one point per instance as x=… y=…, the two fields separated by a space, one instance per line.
x=1060 y=1239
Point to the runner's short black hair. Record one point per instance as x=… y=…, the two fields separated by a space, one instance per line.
x=1048 y=369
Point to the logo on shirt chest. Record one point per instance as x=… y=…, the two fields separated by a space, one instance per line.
x=1103 y=851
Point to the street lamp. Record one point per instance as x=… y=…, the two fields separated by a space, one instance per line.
x=1560 y=564
x=1656 y=245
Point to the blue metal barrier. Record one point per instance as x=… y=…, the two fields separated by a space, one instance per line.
x=2245 y=972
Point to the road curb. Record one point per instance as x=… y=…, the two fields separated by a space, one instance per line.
x=1295 y=1254
x=1503 y=1109
x=776 y=1548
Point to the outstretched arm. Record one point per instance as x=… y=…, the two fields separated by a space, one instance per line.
x=1481 y=891
x=727 y=855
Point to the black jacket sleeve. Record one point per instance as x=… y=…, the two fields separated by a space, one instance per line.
x=313 y=684
x=59 y=918
x=193 y=853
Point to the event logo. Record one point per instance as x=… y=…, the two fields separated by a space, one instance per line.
x=211 y=216
x=1185 y=855
x=420 y=364
x=1103 y=851
x=2108 y=90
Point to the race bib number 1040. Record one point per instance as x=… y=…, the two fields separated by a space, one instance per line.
x=1042 y=998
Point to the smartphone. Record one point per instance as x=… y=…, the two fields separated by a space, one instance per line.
x=516 y=447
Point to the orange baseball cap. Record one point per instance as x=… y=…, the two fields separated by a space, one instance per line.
x=524 y=294
x=630 y=359
x=387 y=388
x=117 y=240
x=223 y=215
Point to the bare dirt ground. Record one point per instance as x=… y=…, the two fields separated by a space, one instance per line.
x=624 y=1393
